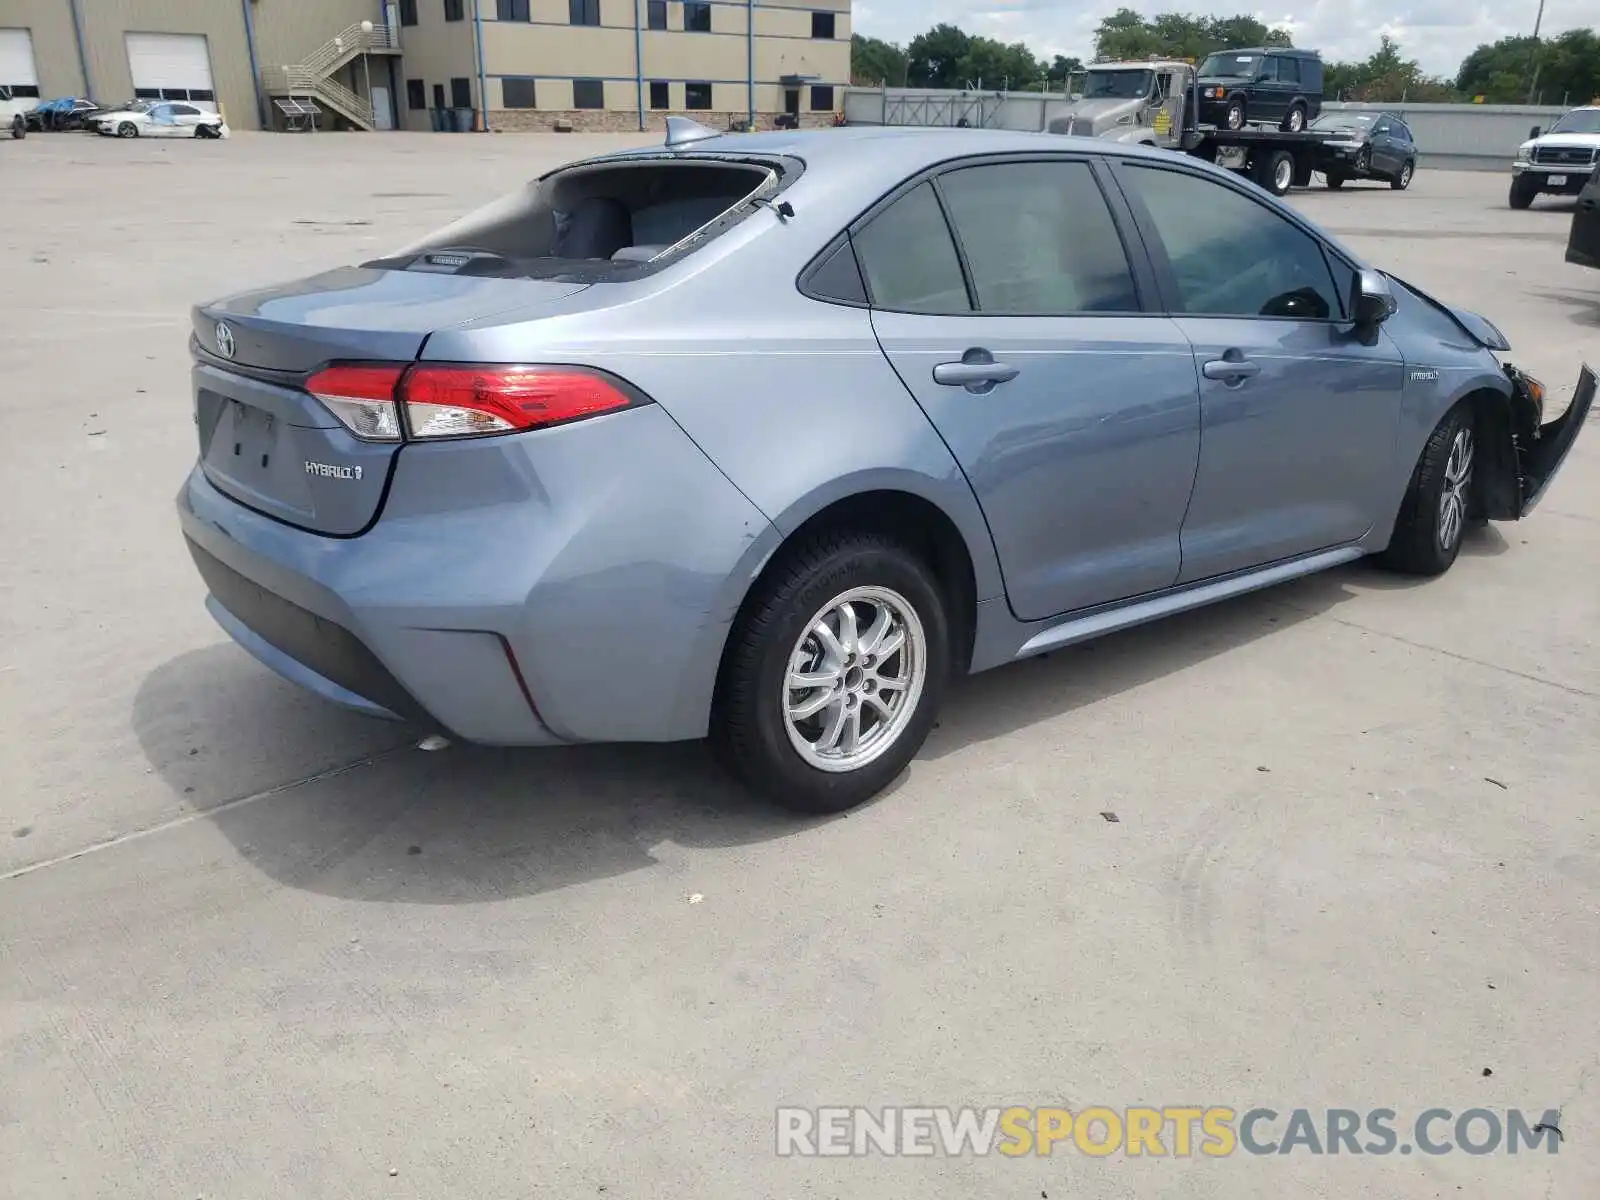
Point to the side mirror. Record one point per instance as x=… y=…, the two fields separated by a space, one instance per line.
x=1372 y=300
x=1535 y=131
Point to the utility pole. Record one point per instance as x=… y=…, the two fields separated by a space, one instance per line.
x=1533 y=57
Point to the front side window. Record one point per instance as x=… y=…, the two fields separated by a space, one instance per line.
x=908 y=259
x=1039 y=239
x=1231 y=255
x=1230 y=66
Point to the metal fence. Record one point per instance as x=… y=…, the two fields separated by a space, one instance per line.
x=1448 y=136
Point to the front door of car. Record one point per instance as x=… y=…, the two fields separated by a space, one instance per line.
x=1298 y=413
x=1072 y=411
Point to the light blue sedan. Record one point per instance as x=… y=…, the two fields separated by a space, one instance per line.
x=767 y=437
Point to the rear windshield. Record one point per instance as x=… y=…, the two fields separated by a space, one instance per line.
x=1230 y=66
x=594 y=222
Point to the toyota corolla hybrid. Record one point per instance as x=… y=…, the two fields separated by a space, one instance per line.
x=767 y=437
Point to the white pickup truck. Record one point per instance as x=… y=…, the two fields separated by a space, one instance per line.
x=1557 y=161
x=14 y=112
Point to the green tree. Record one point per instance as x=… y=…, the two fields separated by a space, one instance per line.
x=934 y=58
x=994 y=65
x=1386 y=77
x=1125 y=34
x=876 y=63
x=1568 y=67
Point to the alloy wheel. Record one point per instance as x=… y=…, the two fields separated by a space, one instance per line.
x=1453 y=495
x=854 y=679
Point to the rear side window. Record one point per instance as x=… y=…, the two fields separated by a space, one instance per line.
x=1039 y=239
x=908 y=259
x=1231 y=255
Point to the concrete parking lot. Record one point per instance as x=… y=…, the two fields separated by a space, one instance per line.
x=254 y=947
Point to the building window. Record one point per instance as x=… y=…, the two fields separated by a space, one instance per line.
x=822 y=25
x=511 y=10
x=657 y=14
x=588 y=93
x=453 y=10
x=821 y=97
x=696 y=16
x=697 y=95
x=416 y=94
x=517 y=93
x=438 y=95
x=460 y=93
x=660 y=94
x=408 y=12
x=583 y=12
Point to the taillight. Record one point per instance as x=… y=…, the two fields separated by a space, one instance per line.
x=362 y=397
x=454 y=401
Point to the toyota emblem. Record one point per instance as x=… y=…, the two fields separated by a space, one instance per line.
x=224 y=340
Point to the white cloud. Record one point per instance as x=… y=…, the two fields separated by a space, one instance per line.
x=1438 y=33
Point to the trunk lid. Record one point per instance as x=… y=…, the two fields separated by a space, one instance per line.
x=267 y=442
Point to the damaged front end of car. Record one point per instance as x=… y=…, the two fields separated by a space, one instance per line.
x=1519 y=452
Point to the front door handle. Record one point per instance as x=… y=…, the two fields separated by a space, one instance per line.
x=1231 y=370
x=977 y=372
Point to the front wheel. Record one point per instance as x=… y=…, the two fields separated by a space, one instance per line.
x=1334 y=180
x=1295 y=119
x=834 y=674
x=19 y=128
x=127 y=130
x=1521 y=194
x=1235 y=117
x=1403 y=180
x=1438 y=503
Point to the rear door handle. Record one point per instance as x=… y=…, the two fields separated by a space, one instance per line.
x=977 y=372
x=1231 y=370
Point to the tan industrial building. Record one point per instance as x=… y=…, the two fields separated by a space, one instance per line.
x=426 y=64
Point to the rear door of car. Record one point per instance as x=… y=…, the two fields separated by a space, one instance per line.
x=1015 y=303
x=1299 y=414
x=1385 y=161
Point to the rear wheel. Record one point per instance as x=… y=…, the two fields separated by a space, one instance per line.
x=1276 y=172
x=1522 y=193
x=1295 y=119
x=1437 y=505
x=834 y=673
x=127 y=130
x=1403 y=180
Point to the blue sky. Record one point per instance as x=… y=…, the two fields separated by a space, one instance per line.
x=1438 y=33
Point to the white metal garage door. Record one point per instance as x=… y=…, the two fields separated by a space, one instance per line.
x=172 y=66
x=16 y=62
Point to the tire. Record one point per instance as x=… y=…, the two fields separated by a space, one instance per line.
x=784 y=754
x=127 y=130
x=1235 y=116
x=1335 y=180
x=1521 y=194
x=1437 y=508
x=19 y=128
x=1364 y=161
x=1403 y=180
x=1276 y=172
x=1294 y=121
x=205 y=132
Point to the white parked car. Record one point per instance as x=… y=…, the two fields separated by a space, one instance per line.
x=160 y=118
x=1557 y=161
x=14 y=112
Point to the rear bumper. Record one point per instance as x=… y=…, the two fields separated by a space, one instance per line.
x=570 y=585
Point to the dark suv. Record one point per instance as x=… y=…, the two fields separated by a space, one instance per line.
x=1265 y=84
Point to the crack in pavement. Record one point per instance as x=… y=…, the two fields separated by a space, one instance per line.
x=201 y=814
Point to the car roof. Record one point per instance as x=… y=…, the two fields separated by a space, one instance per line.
x=889 y=149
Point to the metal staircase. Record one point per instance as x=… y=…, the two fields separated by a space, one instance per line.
x=313 y=78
